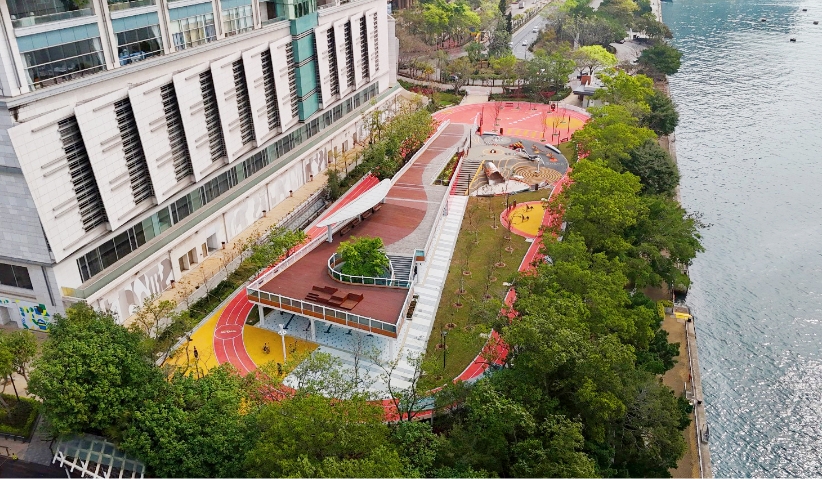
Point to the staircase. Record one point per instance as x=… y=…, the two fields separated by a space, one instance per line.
x=402 y=265
x=466 y=174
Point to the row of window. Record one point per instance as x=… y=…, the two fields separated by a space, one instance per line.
x=143 y=231
x=17 y=276
x=51 y=65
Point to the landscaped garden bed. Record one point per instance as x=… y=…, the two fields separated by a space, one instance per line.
x=20 y=418
x=483 y=260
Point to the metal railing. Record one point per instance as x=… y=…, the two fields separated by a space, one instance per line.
x=335 y=260
x=33 y=20
x=321 y=312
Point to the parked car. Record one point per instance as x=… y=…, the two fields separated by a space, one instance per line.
x=511 y=45
x=525 y=43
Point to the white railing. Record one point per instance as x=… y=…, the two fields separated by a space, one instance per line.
x=391 y=282
x=419 y=152
x=282 y=265
x=319 y=311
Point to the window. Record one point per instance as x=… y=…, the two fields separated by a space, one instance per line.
x=364 y=47
x=237 y=20
x=17 y=276
x=349 y=55
x=243 y=103
x=332 y=62
x=272 y=108
x=27 y=13
x=54 y=64
x=138 y=44
x=216 y=141
x=292 y=79
x=193 y=31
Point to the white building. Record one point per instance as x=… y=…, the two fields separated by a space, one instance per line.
x=138 y=136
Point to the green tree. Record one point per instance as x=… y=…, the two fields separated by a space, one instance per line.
x=593 y=58
x=161 y=326
x=364 y=257
x=663 y=239
x=312 y=436
x=621 y=10
x=661 y=58
x=652 y=27
x=474 y=51
x=193 y=427
x=654 y=167
x=6 y=372
x=505 y=66
x=601 y=205
x=458 y=71
x=548 y=72
x=23 y=347
x=662 y=117
x=279 y=241
x=630 y=91
x=417 y=446
x=611 y=134
x=93 y=374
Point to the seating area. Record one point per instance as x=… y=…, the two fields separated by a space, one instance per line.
x=333 y=297
x=358 y=220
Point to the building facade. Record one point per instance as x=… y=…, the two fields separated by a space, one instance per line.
x=137 y=137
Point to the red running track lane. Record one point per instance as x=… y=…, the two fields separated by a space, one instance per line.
x=229 y=344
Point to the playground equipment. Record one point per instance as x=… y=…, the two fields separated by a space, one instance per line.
x=492 y=173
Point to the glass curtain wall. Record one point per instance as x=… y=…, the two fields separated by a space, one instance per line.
x=193 y=31
x=139 y=44
x=48 y=66
x=237 y=20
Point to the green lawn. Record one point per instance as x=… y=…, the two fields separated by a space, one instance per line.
x=464 y=340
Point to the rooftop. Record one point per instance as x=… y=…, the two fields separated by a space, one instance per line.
x=409 y=202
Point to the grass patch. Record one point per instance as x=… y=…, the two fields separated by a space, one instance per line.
x=20 y=418
x=446 y=98
x=472 y=318
x=569 y=151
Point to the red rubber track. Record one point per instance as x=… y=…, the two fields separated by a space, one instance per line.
x=229 y=344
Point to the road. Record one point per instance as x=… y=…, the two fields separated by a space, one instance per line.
x=526 y=32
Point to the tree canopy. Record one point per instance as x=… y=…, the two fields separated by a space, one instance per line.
x=662 y=58
x=93 y=374
x=364 y=256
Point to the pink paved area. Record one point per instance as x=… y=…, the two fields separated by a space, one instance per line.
x=518 y=119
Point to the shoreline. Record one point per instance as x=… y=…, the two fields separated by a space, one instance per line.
x=697 y=460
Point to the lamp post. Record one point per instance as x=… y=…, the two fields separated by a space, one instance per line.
x=282 y=334
x=443 y=333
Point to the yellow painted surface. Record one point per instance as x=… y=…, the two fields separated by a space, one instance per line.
x=682 y=315
x=534 y=221
x=255 y=338
x=203 y=340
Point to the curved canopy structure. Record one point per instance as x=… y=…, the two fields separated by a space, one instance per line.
x=365 y=202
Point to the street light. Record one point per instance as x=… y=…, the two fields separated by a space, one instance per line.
x=282 y=334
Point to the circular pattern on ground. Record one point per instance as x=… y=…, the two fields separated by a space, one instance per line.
x=496 y=140
x=530 y=174
x=228 y=331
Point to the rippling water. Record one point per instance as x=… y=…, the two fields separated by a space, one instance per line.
x=750 y=151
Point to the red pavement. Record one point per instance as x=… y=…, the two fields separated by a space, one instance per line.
x=517 y=119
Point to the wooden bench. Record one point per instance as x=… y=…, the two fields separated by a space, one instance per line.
x=377 y=207
x=345 y=230
x=367 y=214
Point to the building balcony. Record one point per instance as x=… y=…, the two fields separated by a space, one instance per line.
x=115 y=6
x=30 y=20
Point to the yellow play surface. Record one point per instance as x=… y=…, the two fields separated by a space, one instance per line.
x=254 y=339
x=526 y=221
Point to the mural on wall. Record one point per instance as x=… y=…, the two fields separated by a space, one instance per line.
x=244 y=214
x=290 y=179
x=125 y=300
x=32 y=315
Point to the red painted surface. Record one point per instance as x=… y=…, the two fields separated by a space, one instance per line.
x=516 y=119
